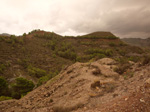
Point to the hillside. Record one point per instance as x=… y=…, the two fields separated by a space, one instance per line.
x=39 y=56
x=90 y=87
x=137 y=41
x=101 y=34
x=5 y=34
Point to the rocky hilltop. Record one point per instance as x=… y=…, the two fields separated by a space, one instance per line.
x=89 y=87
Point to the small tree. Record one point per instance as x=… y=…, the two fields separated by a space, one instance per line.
x=21 y=87
x=3 y=86
x=24 y=34
x=37 y=72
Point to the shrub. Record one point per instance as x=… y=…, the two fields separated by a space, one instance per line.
x=122 y=68
x=54 y=55
x=107 y=52
x=2 y=38
x=2 y=68
x=134 y=58
x=52 y=44
x=42 y=80
x=21 y=87
x=112 y=44
x=146 y=60
x=21 y=40
x=24 y=34
x=123 y=65
x=66 y=51
x=122 y=52
x=122 y=44
x=83 y=58
x=12 y=39
x=24 y=62
x=2 y=98
x=3 y=86
x=92 y=51
x=37 y=72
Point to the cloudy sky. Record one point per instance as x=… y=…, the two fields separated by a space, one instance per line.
x=124 y=18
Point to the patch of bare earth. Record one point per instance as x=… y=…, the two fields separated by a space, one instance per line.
x=88 y=87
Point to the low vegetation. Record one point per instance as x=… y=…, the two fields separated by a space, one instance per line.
x=44 y=79
x=36 y=72
x=123 y=65
x=2 y=68
x=2 y=98
x=3 y=86
x=41 y=55
x=66 y=51
x=21 y=87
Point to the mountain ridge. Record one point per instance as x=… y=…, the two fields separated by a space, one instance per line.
x=40 y=56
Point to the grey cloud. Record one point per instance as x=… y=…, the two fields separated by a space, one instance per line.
x=125 y=18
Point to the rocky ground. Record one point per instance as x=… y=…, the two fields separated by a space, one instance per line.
x=89 y=87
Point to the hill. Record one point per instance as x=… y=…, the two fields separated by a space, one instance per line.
x=5 y=34
x=137 y=41
x=100 y=34
x=94 y=86
x=39 y=56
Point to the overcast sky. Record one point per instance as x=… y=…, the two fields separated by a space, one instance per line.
x=124 y=18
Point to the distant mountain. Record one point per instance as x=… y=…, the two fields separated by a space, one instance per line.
x=137 y=41
x=4 y=34
x=100 y=34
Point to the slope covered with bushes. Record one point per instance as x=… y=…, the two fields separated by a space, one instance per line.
x=39 y=56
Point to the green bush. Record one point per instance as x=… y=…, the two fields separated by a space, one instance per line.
x=2 y=38
x=122 y=44
x=24 y=34
x=96 y=50
x=23 y=62
x=52 y=45
x=44 y=79
x=134 y=58
x=83 y=58
x=66 y=51
x=107 y=52
x=2 y=68
x=12 y=39
x=3 y=86
x=37 y=72
x=122 y=52
x=21 y=40
x=2 y=98
x=21 y=87
x=112 y=44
